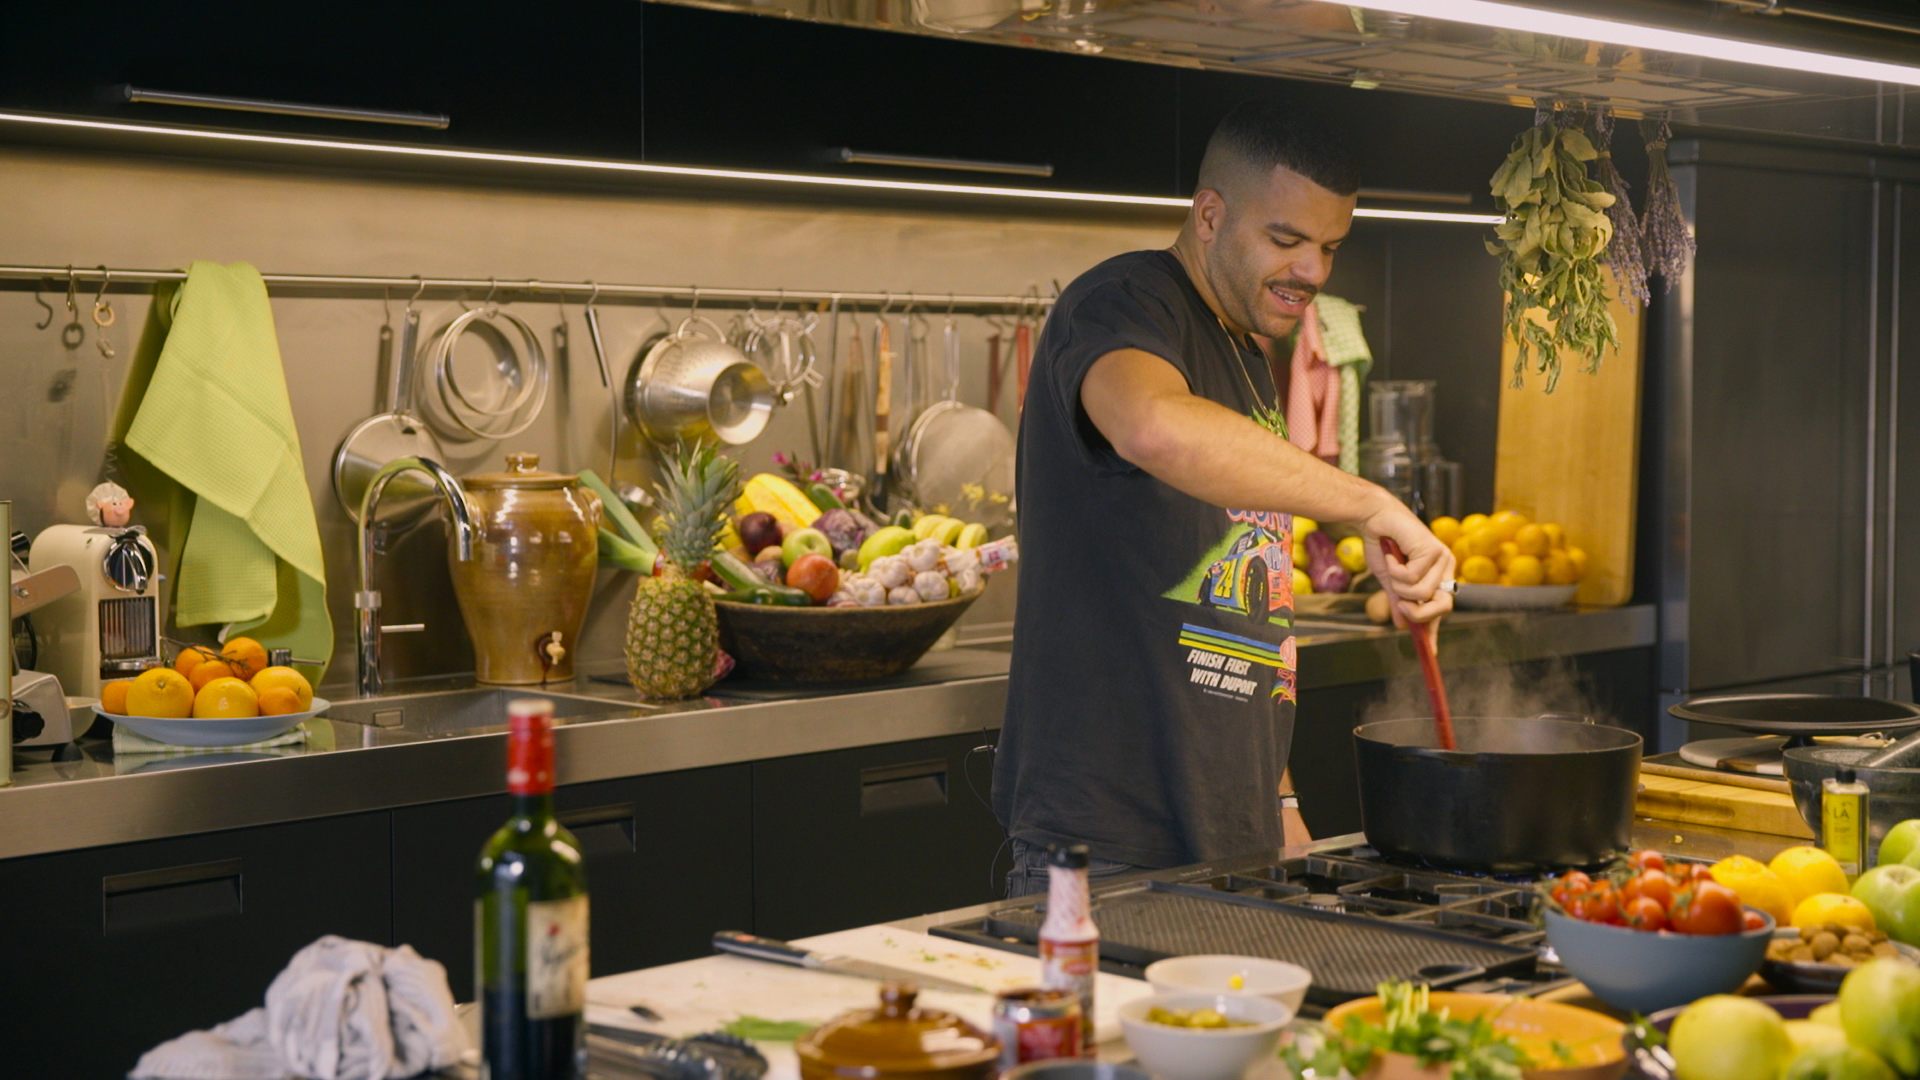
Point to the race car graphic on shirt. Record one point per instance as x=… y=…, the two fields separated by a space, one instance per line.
x=1249 y=574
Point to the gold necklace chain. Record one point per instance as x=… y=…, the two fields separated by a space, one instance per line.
x=1273 y=419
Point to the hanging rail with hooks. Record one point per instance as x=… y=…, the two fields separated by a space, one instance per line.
x=29 y=278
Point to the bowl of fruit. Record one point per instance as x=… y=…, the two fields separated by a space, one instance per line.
x=1507 y=562
x=1648 y=934
x=818 y=592
x=228 y=697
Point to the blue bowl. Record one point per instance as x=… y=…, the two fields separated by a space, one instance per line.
x=1643 y=972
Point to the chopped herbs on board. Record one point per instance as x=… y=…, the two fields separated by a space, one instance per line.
x=1431 y=1036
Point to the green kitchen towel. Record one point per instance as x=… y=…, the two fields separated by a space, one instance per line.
x=1347 y=353
x=211 y=453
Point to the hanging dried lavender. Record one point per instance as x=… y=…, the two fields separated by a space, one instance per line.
x=1669 y=243
x=1626 y=251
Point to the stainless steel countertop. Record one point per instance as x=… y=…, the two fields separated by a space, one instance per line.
x=351 y=768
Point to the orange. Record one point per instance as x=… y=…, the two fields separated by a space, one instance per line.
x=226 y=698
x=247 y=656
x=113 y=696
x=208 y=670
x=279 y=701
x=190 y=657
x=160 y=692
x=1526 y=570
x=284 y=678
x=1532 y=540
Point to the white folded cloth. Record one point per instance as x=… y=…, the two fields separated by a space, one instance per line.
x=342 y=1010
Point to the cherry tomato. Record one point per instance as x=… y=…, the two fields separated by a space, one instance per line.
x=1647 y=859
x=1576 y=881
x=1645 y=913
x=1601 y=904
x=1653 y=885
x=1706 y=907
x=1752 y=920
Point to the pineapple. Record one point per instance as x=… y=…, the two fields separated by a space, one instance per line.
x=673 y=637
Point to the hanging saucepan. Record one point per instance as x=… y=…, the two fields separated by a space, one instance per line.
x=1516 y=794
x=691 y=386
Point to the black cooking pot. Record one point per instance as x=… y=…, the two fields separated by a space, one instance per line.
x=1518 y=794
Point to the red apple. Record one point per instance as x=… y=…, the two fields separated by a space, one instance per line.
x=814 y=575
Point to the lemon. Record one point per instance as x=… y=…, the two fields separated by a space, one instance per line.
x=160 y=692
x=1483 y=541
x=1471 y=522
x=1461 y=551
x=1556 y=536
x=1807 y=871
x=1302 y=584
x=1300 y=557
x=1526 y=570
x=1822 y=908
x=1479 y=570
x=1579 y=558
x=1352 y=552
x=1507 y=523
x=1559 y=569
x=1757 y=886
x=226 y=698
x=1508 y=552
x=1304 y=525
x=1532 y=540
x=1445 y=529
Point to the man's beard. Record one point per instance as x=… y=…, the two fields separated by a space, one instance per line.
x=1243 y=294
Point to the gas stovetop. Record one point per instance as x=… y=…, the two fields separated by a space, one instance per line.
x=1347 y=914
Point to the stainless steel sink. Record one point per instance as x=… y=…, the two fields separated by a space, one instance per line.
x=473 y=712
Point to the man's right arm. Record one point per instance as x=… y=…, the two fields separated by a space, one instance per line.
x=1144 y=409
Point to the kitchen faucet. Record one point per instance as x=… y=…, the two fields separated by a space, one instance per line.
x=366 y=602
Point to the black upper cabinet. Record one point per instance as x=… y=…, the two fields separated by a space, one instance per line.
x=557 y=79
x=750 y=91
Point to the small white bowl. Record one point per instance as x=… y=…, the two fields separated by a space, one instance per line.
x=1177 y=1053
x=1283 y=982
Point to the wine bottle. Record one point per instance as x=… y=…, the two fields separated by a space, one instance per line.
x=530 y=921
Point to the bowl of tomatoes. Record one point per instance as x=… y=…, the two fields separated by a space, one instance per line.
x=1648 y=934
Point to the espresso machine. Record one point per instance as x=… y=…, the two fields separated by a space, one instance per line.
x=109 y=626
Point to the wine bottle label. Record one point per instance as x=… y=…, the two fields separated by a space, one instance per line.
x=556 y=957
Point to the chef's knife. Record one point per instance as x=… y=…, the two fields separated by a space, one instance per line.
x=779 y=952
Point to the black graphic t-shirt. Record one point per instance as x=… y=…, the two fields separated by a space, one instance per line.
x=1151 y=697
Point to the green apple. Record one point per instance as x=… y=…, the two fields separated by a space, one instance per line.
x=804 y=542
x=888 y=541
x=1892 y=893
x=1837 y=1061
x=1880 y=1006
x=1900 y=842
x=1724 y=1037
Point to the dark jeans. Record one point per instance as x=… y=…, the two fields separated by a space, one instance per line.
x=1029 y=873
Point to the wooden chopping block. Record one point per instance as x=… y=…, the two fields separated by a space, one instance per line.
x=1695 y=802
x=1571 y=456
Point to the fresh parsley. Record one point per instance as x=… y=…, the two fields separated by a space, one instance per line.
x=1432 y=1037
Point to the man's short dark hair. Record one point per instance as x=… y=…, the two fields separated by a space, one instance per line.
x=1272 y=131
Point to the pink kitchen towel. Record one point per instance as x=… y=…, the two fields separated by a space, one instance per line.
x=1313 y=394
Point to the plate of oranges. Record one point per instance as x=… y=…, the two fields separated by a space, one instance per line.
x=1507 y=561
x=225 y=697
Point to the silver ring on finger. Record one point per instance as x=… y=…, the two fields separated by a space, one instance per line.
x=1450 y=587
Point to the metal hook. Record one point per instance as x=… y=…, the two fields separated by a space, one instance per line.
x=103 y=313
x=420 y=288
x=38 y=299
x=694 y=308
x=887 y=306
x=493 y=286
x=780 y=307
x=386 y=307
x=949 y=305
x=99 y=298
x=595 y=295
x=73 y=284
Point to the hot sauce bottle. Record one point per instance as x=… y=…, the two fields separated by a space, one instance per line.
x=1069 y=942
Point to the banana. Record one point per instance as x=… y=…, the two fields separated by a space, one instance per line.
x=949 y=531
x=972 y=536
x=928 y=524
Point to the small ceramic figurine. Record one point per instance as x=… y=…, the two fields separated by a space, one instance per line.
x=110 y=505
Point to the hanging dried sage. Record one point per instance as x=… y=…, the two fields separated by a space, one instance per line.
x=1549 y=247
x=1626 y=252
x=1669 y=241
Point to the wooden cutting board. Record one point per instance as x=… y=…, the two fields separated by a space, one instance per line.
x=1572 y=456
x=1695 y=802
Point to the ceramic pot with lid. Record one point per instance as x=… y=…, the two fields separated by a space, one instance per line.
x=524 y=593
x=897 y=1042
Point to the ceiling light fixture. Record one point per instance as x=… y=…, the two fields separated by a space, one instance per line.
x=1634 y=35
x=679 y=171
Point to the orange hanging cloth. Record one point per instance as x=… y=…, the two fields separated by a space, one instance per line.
x=1313 y=394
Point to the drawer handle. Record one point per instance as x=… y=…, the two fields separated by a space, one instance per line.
x=889 y=788
x=152 y=899
x=138 y=95
x=603 y=830
x=914 y=161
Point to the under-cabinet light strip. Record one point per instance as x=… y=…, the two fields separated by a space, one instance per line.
x=685 y=171
x=1634 y=35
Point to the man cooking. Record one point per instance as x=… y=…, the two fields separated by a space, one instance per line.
x=1151 y=697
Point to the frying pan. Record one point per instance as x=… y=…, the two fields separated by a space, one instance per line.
x=389 y=436
x=1801 y=716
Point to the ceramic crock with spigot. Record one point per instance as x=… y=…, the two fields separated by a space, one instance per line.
x=524 y=593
